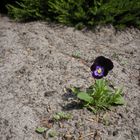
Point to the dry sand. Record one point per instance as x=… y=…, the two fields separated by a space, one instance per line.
x=39 y=60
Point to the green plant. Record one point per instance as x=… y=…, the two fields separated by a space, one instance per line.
x=26 y=10
x=61 y=116
x=40 y=130
x=52 y=133
x=96 y=12
x=76 y=54
x=3 y=4
x=99 y=96
x=79 y=13
x=67 y=11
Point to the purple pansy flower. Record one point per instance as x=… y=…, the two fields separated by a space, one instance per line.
x=101 y=67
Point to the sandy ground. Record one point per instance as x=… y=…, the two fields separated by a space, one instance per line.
x=38 y=61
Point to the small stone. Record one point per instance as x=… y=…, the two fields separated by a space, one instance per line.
x=115 y=133
x=68 y=136
x=48 y=93
x=97 y=136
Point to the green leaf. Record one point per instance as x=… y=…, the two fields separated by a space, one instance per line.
x=52 y=133
x=41 y=129
x=119 y=100
x=92 y=109
x=100 y=96
x=75 y=90
x=118 y=91
x=61 y=116
x=56 y=117
x=85 y=97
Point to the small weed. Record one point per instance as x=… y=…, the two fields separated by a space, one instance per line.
x=40 y=130
x=115 y=56
x=99 y=96
x=52 y=133
x=61 y=116
x=124 y=62
x=76 y=54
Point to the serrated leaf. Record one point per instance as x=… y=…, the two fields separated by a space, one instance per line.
x=41 y=129
x=85 y=97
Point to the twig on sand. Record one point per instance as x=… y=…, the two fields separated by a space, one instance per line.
x=90 y=134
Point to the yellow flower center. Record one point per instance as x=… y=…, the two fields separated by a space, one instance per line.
x=99 y=70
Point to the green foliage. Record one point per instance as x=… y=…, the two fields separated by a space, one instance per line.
x=99 y=96
x=40 y=130
x=61 y=116
x=121 y=13
x=76 y=54
x=94 y=12
x=52 y=133
x=67 y=11
x=3 y=4
x=26 y=10
x=80 y=13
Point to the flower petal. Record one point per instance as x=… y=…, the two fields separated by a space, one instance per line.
x=104 y=63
